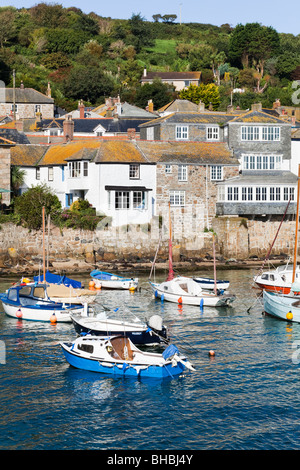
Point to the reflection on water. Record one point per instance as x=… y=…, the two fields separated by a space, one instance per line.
x=235 y=400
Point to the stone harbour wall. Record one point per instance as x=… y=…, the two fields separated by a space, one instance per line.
x=70 y=250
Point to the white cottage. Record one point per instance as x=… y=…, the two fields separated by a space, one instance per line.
x=114 y=176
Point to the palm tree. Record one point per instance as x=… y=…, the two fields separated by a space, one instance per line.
x=17 y=179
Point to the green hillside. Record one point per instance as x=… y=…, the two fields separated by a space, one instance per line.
x=86 y=56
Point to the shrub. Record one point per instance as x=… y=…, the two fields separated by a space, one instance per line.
x=29 y=206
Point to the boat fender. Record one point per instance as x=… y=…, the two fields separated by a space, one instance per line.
x=162 y=297
x=289 y=316
x=156 y=294
x=180 y=300
x=19 y=313
x=201 y=304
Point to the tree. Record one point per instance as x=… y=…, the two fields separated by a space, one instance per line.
x=7 y=17
x=208 y=94
x=252 y=44
x=88 y=84
x=160 y=93
x=30 y=204
x=17 y=178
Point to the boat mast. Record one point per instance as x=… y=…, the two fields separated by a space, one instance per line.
x=171 y=272
x=215 y=270
x=297 y=224
x=44 y=264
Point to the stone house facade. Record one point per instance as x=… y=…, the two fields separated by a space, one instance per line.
x=259 y=140
x=26 y=102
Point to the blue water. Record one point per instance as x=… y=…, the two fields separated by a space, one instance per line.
x=246 y=397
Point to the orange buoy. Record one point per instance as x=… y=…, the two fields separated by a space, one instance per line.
x=211 y=353
x=180 y=300
x=19 y=313
x=92 y=284
x=53 y=318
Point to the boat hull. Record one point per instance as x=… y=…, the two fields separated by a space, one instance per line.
x=45 y=314
x=138 y=335
x=104 y=280
x=121 y=369
x=272 y=288
x=207 y=299
x=207 y=283
x=279 y=306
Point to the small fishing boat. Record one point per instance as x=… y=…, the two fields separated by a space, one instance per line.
x=119 y=356
x=285 y=307
x=30 y=302
x=104 y=280
x=151 y=333
x=277 y=280
x=184 y=290
x=211 y=284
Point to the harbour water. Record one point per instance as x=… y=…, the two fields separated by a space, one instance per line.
x=246 y=397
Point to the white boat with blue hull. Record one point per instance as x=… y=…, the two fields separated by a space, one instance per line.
x=106 y=280
x=148 y=333
x=283 y=306
x=211 y=284
x=118 y=356
x=30 y=302
x=185 y=290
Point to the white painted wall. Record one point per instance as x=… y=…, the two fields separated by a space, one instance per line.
x=93 y=186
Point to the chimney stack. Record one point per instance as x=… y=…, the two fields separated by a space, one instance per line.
x=81 y=109
x=150 y=106
x=48 y=91
x=68 y=126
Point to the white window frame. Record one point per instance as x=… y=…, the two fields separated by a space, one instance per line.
x=38 y=173
x=134 y=171
x=254 y=193
x=85 y=169
x=216 y=173
x=213 y=133
x=168 y=169
x=150 y=133
x=182 y=132
x=261 y=162
x=177 y=197
x=74 y=169
x=139 y=200
x=50 y=173
x=260 y=133
x=182 y=173
x=122 y=200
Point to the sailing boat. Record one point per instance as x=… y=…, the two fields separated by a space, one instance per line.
x=185 y=290
x=281 y=305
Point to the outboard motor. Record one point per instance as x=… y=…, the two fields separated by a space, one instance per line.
x=156 y=324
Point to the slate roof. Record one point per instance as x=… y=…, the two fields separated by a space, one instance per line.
x=262 y=178
x=27 y=95
x=192 y=118
x=115 y=151
x=88 y=125
x=176 y=106
x=257 y=117
x=59 y=154
x=14 y=135
x=187 y=152
x=27 y=155
x=172 y=76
